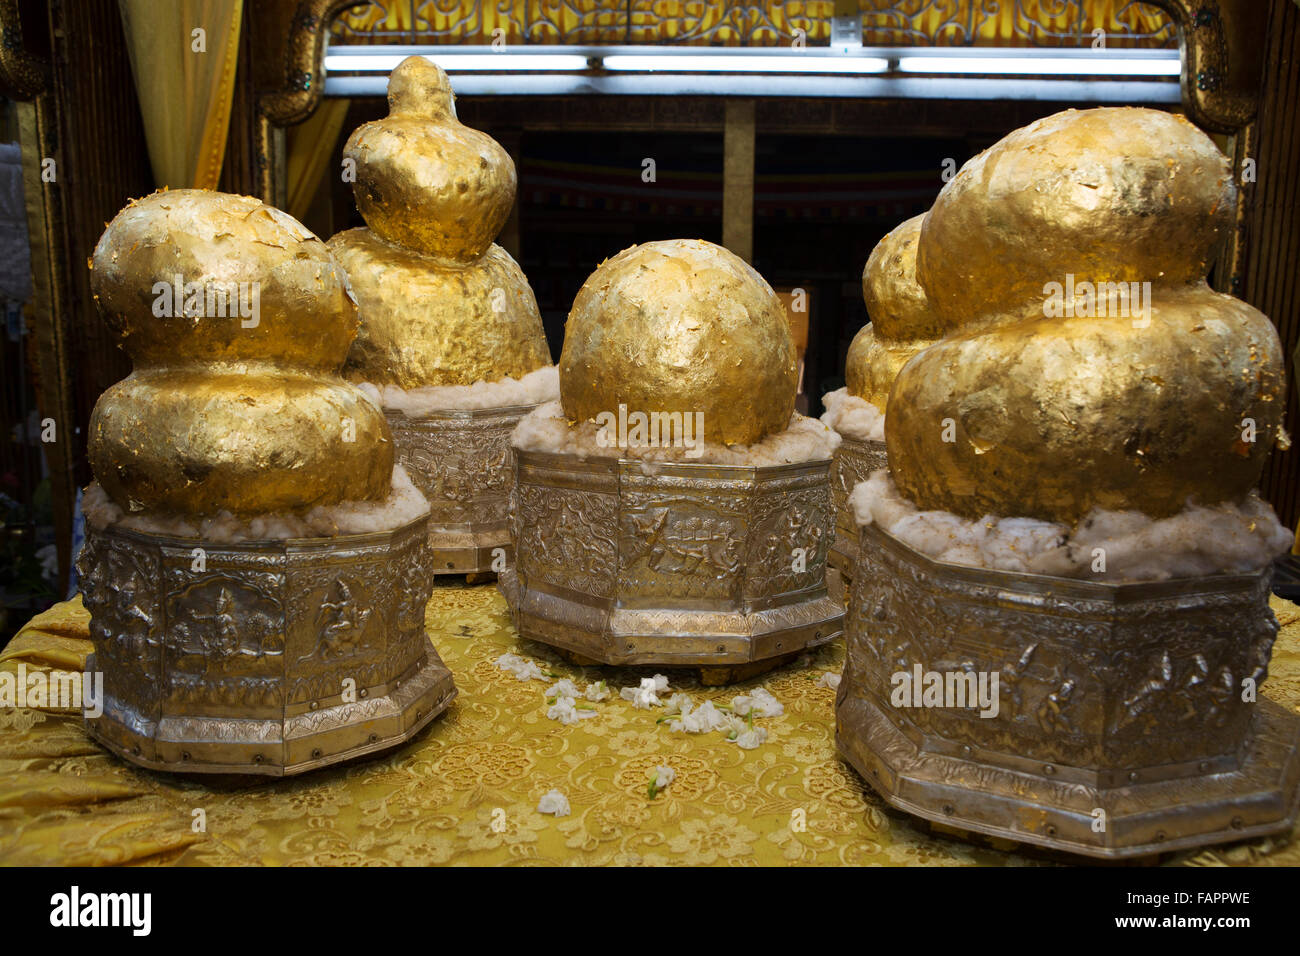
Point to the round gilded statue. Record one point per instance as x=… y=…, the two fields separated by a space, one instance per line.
x=681 y=326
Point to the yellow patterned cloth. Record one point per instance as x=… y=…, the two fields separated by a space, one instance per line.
x=466 y=790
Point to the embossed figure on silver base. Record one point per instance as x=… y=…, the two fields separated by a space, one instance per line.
x=1121 y=729
x=854 y=461
x=275 y=658
x=626 y=562
x=462 y=461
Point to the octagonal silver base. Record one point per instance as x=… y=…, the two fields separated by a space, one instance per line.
x=267 y=657
x=624 y=562
x=461 y=459
x=854 y=461
x=1121 y=728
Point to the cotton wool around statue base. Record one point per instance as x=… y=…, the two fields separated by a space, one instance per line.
x=711 y=557
x=1059 y=618
x=254 y=579
x=858 y=455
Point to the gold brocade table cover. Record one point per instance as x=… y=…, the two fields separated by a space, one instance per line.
x=466 y=790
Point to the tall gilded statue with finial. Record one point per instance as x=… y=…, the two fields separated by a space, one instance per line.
x=451 y=342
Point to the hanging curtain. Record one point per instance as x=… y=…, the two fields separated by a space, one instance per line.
x=311 y=150
x=183 y=57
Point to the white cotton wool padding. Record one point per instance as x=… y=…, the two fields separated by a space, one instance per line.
x=546 y=429
x=541 y=385
x=403 y=505
x=853 y=417
x=1226 y=538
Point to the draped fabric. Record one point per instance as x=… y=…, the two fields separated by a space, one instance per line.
x=183 y=57
x=311 y=148
x=466 y=790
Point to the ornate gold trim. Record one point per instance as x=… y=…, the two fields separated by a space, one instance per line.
x=304 y=62
x=1220 y=84
x=298 y=98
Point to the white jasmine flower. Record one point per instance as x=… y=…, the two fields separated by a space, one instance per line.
x=597 y=691
x=566 y=711
x=522 y=668
x=661 y=682
x=562 y=688
x=660 y=777
x=760 y=703
x=701 y=720
x=743 y=733
x=679 y=703
x=829 y=679
x=554 y=802
x=644 y=697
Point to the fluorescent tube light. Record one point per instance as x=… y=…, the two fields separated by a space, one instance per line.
x=1091 y=65
x=457 y=62
x=741 y=63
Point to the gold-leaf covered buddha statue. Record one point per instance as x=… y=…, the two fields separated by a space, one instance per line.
x=451 y=343
x=903 y=322
x=441 y=303
x=671 y=509
x=237 y=320
x=252 y=555
x=1070 y=533
x=681 y=324
x=1088 y=363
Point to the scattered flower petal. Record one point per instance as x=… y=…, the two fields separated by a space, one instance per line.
x=554 y=802
x=597 y=691
x=760 y=703
x=678 y=703
x=660 y=777
x=522 y=668
x=829 y=679
x=644 y=697
x=566 y=711
x=701 y=720
x=563 y=688
x=750 y=739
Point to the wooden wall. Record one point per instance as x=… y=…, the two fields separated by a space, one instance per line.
x=1272 y=267
x=102 y=162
